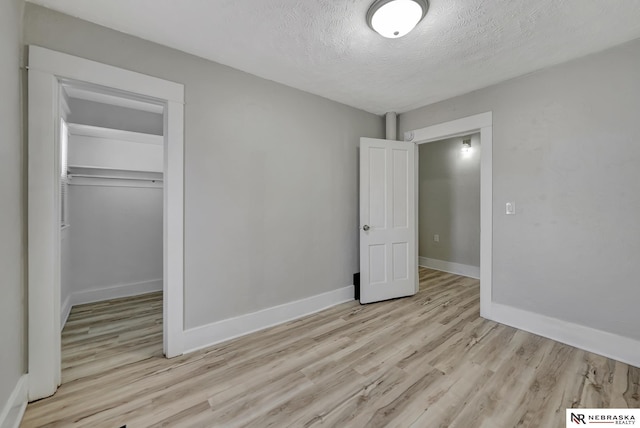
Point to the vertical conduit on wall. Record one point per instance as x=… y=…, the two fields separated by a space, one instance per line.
x=391 y=119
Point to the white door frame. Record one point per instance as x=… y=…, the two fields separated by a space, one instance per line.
x=482 y=123
x=46 y=70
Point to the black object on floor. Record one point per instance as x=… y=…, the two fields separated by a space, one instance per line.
x=356 y=285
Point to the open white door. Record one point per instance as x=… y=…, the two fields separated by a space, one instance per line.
x=388 y=235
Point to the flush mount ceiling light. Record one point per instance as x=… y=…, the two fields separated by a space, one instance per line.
x=395 y=18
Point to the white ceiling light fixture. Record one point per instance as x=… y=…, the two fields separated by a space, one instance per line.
x=396 y=18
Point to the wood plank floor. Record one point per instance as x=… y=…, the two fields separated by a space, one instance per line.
x=424 y=361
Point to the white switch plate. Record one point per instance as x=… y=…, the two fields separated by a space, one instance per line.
x=511 y=208
x=436 y=238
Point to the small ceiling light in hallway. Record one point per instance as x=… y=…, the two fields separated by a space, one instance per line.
x=466 y=146
x=396 y=18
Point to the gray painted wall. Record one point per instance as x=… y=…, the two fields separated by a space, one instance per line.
x=115 y=117
x=12 y=303
x=115 y=236
x=449 y=201
x=566 y=150
x=115 y=232
x=271 y=184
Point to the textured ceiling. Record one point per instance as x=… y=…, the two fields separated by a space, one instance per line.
x=325 y=46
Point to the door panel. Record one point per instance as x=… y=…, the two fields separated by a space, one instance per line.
x=400 y=261
x=378 y=264
x=400 y=188
x=388 y=230
x=377 y=189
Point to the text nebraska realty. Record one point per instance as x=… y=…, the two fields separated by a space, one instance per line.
x=611 y=419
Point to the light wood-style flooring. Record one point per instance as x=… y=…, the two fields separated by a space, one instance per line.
x=424 y=361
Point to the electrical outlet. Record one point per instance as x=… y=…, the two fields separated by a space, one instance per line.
x=436 y=238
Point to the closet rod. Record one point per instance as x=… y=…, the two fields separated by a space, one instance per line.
x=110 y=177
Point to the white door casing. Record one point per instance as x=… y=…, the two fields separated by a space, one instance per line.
x=482 y=123
x=47 y=70
x=388 y=229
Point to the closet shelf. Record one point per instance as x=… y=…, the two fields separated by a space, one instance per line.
x=77 y=171
x=109 y=177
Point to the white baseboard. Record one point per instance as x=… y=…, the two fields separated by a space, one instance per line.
x=14 y=408
x=210 y=334
x=115 y=292
x=600 y=342
x=451 y=267
x=65 y=310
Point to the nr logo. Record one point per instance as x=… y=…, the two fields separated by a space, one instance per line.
x=576 y=418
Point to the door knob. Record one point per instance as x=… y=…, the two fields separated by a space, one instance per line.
x=365 y=227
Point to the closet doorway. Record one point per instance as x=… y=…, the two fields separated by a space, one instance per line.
x=50 y=74
x=111 y=203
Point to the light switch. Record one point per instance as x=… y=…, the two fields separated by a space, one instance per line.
x=436 y=238
x=511 y=208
